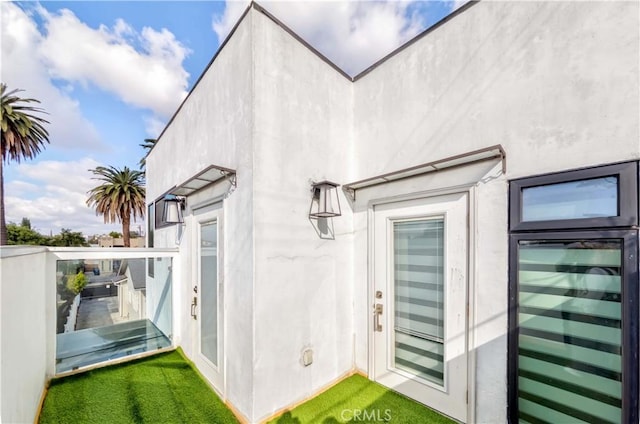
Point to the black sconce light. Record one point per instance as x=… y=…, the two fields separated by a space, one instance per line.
x=324 y=202
x=173 y=209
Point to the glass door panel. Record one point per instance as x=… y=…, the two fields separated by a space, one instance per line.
x=570 y=331
x=419 y=298
x=209 y=291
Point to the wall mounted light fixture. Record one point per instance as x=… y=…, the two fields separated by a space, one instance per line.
x=173 y=209
x=324 y=202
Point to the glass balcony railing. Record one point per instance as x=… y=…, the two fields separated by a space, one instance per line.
x=83 y=306
x=108 y=308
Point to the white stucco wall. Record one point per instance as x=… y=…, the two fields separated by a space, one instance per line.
x=23 y=331
x=556 y=83
x=214 y=126
x=239 y=121
x=303 y=285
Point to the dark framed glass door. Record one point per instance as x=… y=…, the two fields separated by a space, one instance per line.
x=573 y=342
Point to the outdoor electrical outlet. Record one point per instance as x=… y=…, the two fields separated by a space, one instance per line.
x=307 y=357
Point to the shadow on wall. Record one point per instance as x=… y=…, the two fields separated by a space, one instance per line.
x=323 y=227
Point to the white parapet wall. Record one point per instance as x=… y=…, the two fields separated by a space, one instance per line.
x=23 y=324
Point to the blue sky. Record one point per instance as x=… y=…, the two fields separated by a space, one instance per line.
x=111 y=73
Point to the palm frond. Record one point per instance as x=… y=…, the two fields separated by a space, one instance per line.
x=120 y=194
x=23 y=134
x=148 y=144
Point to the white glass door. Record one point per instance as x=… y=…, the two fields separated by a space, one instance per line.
x=207 y=306
x=420 y=297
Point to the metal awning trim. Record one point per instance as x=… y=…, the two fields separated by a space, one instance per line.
x=210 y=175
x=487 y=153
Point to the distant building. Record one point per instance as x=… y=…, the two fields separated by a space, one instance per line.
x=108 y=241
x=131 y=284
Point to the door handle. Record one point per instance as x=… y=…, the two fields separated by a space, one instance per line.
x=377 y=311
x=194 y=303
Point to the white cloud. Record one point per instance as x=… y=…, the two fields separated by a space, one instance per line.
x=143 y=69
x=222 y=24
x=22 y=68
x=150 y=76
x=154 y=126
x=122 y=29
x=58 y=194
x=21 y=187
x=457 y=4
x=353 y=34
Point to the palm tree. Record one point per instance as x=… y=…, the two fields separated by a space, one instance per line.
x=22 y=136
x=121 y=195
x=147 y=145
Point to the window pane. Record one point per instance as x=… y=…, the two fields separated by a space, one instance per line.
x=570 y=331
x=593 y=198
x=150 y=230
x=419 y=304
x=209 y=288
x=158 y=208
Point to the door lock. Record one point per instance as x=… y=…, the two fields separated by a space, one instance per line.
x=377 y=311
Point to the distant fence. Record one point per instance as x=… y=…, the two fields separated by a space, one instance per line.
x=106 y=290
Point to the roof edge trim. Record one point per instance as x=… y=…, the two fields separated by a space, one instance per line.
x=282 y=25
x=418 y=37
x=254 y=5
x=206 y=69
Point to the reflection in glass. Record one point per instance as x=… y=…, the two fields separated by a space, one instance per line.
x=110 y=308
x=593 y=198
x=418 y=248
x=209 y=291
x=570 y=331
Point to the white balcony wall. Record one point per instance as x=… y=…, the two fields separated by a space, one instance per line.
x=24 y=350
x=303 y=286
x=28 y=320
x=556 y=83
x=214 y=126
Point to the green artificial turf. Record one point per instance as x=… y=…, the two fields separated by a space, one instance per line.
x=160 y=389
x=358 y=400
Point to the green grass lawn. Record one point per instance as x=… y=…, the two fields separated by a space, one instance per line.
x=165 y=389
x=161 y=389
x=358 y=400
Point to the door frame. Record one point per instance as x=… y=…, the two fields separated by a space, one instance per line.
x=211 y=213
x=470 y=191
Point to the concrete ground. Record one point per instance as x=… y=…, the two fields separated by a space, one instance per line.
x=98 y=312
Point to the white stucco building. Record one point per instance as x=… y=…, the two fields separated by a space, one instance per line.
x=493 y=222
